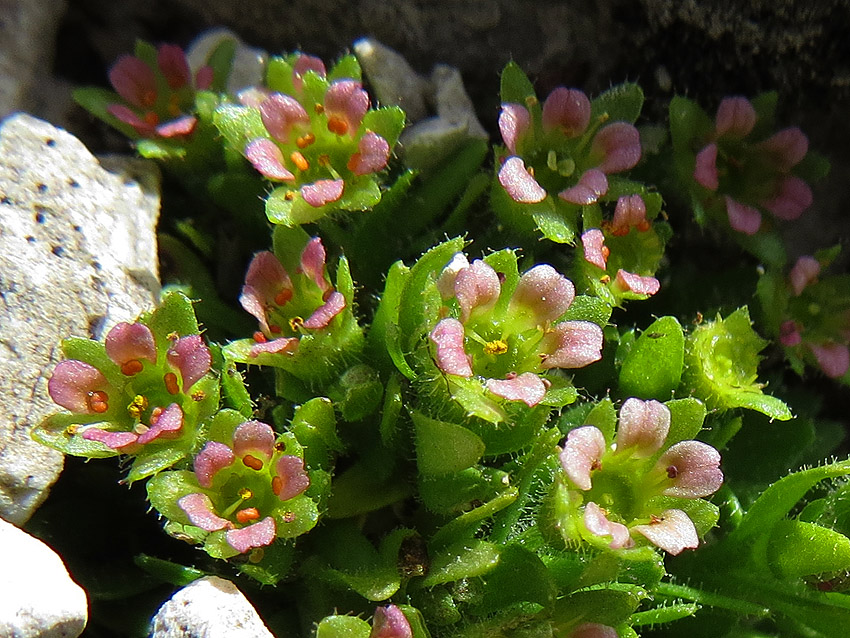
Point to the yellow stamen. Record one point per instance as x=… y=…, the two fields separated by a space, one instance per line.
x=496 y=347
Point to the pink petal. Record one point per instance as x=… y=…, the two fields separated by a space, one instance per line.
x=446 y=280
x=347 y=100
x=174 y=66
x=302 y=65
x=313 y=261
x=373 y=152
x=267 y=158
x=592 y=185
x=390 y=622
x=593 y=242
x=323 y=191
x=266 y=283
x=598 y=524
x=477 y=288
x=118 y=441
x=582 y=452
x=705 y=170
x=128 y=116
x=805 y=271
x=620 y=145
x=284 y=345
x=788 y=146
x=213 y=457
x=519 y=183
x=833 y=358
x=789 y=334
x=260 y=534
x=191 y=357
x=72 y=384
x=673 y=532
x=130 y=342
x=134 y=81
x=325 y=313
x=176 y=128
x=514 y=122
x=280 y=113
x=736 y=117
x=545 y=292
x=572 y=344
x=199 y=509
x=630 y=212
x=254 y=437
x=793 y=198
x=167 y=426
x=636 y=284
x=567 y=110
x=743 y=218
x=694 y=469
x=451 y=357
x=293 y=477
x=527 y=387
x=204 y=78
x=593 y=630
x=644 y=426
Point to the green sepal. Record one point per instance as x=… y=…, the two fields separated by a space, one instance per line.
x=686 y=419
x=346 y=68
x=689 y=124
x=515 y=85
x=53 y=432
x=174 y=314
x=388 y=122
x=813 y=167
x=619 y=103
x=221 y=62
x=600 y=605
x=166 y=488
x=588 y=308
x=96 y=100
x=277 y=563
x=149 y=463
x=314 y=425
x=444 y=448
x=160 y=149
x=222 y=426
x=556 y=220
x=653 y=367
x=279 y=75
x=764 y=105
x=604 y=417
x=168 y=571
x=463 y=560
x=239 y=125
x=798 y=549
x=343 y=627
x=299 y=517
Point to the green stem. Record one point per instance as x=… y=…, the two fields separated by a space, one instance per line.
x=711 y=599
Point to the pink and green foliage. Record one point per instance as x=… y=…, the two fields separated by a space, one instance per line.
x=314 y=134
x=246 y=490
x=634 y=486
x=145 y=392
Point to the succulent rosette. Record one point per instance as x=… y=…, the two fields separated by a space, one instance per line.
x=618 y=257
x=642 y=484
x=247 y=488
x=561 y=156
x=737 y=168
x=503 y=336
x=314 y=134
x=306 y=325
x=145 y=392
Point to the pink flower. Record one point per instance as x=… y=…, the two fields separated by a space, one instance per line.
x=597 y=523
x=345 y=105
x=637 y=284
x=736 y=117
x=448 y=338
x=592 y=185
x=595 y=251
x=373 y=152
x=805 y=271
x=629 y=213
x=693 y=468
x=191 y=357
x=581 y=454
x=833 y=358
x=390 y=622
x=619 y=145
x=281 y=115
x=519 y=183
x=514 y=122
x=526 y=387
x=303 y=64
x=705 y=171
x=644 y=426
x=673 y=531
x=79 y=387
x=323 y=191
x=566 y=110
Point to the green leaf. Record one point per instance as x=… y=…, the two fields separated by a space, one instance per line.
x=148 y=464
x=653 y=367
x=444 y=448
x=798 y=549
x=388 y=122
x=515 y=85
x=358 y=490
x=604 y=606
x=346 y=67
x=166 y=488
x=361 y=193
x=462 y=560
x=343 y=627
x=56 y=432
x=239 y=125
x=279 y=75
x=160 y=150
x=689 y=124
x=686 y=419
x=619 y=103
x=550 y=220
x=384 y=336
x=167 y=571
x=504 y=588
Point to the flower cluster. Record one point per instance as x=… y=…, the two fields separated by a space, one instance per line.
x=318 y=137
x=143 y=390
x=745 y=173
x=620 y=257
x=242 y=494
x=505 y=336
x=157 y=89
x=631 y=485
x=819 y=323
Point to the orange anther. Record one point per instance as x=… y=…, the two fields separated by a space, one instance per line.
x=131 y=367
x=151 y=118
x=606 y=252
x=283 y=296
x=305 y=140
x=274 y=329
x=98 y=401
x=644 y=226
x=299 y=160
x=337 y=125
x=353 y=161
x=170 y=380
x=253 y=462
x=277 y=485
x=259 y=337
x=248 y=514
x=155 y=414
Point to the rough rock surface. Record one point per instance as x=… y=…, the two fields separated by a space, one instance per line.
x=77 y=255
x=37 y=597
x=208 y=608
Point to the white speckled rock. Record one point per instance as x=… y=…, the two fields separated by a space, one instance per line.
x=208 y=608
x=77 y=255
x=37 y=597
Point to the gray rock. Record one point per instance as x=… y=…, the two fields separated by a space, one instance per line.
x=38 y=599
x=208 y=608
x=77 y=255
x=249 y=63
x=27 y=38
x=392 y=79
